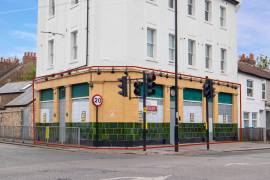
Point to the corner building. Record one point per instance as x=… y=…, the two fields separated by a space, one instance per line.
x=83 y=51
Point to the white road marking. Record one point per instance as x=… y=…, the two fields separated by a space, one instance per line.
x=247 y=164
x=140 y=178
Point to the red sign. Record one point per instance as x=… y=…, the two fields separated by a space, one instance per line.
x=97 y=100
x=152 y=108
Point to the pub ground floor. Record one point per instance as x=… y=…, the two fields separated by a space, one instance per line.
x=65 y=100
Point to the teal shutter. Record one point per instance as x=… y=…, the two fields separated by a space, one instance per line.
x=62 y=93
x=46 y=95
x=159 y=92
x=225 y=98
x=80 y=90
x=192 y=94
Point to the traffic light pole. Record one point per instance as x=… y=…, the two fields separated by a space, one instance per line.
x=144 y=109
x=207 y=123
x=176 y=137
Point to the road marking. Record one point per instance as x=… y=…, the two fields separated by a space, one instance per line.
x=247 y=164
x=140 y=178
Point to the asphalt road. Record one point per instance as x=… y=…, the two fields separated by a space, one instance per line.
x=31 y=163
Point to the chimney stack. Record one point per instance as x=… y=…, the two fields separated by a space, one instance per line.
x=29 y=57
x=250 y=60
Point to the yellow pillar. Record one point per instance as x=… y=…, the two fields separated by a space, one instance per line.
x=37 y=107
x=204 y=109
x=235 y=109
x=167 y=104
x=215 y=109
x=68 y=104
x=181 y=103
x=56 y=105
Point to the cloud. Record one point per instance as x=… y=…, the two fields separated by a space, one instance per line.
x=24 y=35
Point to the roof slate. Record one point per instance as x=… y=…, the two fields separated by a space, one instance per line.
x=253 y=70
x=14 y=87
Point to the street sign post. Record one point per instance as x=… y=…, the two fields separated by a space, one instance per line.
x=97 y=101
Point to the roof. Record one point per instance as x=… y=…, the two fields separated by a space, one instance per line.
x=15 y=87
x=22 y=100
x=253 y=70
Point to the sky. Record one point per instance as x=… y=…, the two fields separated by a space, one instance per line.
x=18 y=19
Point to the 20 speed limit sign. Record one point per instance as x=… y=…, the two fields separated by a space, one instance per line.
x=97 y=100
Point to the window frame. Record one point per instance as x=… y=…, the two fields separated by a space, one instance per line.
x=51 y=52
x=51 y=8
x=263 y=91
x=250 y=88
x=223 y=14
x=172 y=48
x=74 y=46
x=246 y=119
x=208 y=11
x=208 y=56
x=151 y=44
x=223 y=60
x=190 y=7
x=254 y=119
x=191 y=52
x=171 y=4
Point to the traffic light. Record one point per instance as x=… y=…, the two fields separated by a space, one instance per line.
x=151 y=84
x=123 y=86
x=137 y=88
x=208 y=89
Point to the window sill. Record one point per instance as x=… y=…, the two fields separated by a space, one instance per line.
x=208 y=22
x=73 y=62
x=192 y=67
x=208 y=71
x=251 y=98
x=171 y=9
x=151 y=2
x=223 y=28
x=151 y=60
x=171 y=63
x=51 y=17
x=191 y=17
x=73 y=6
x=223 y=74
x=50 y=67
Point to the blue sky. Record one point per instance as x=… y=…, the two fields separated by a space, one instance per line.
x=18 y=28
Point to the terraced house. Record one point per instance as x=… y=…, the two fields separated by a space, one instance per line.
x=84 y=46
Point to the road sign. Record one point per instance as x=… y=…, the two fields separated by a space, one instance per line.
x=97 y=100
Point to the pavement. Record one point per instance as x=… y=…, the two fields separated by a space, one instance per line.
x=235 y=161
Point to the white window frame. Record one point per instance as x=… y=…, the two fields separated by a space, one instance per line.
x=254 y=119
x=51 y=50
x=250 y=88
x=74 y=45
x=208 y=11
x=208 y=56
x=246 y=119
x=223 y=14
x=171 y=48
x=151 y=44
x=51 y=8
x=223 y=60
x=263 y=91
x=191 y=52
x=191 y=7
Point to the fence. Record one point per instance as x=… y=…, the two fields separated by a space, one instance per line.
x=122 y=135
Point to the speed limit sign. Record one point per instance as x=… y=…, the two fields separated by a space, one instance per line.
x=97 y=100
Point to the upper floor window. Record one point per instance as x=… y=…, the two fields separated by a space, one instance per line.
x=208 y=56
x=151 y=45
x=263 y=91
x=208 y=9
x=250 y=88
x=222 y=16
x=51 y=52
x=51 y=8
x=74 y=45
x=171 y=4
x=171 y=48
x=191 y=52
x=223 y=60
x=191 y=7
x=74 y=2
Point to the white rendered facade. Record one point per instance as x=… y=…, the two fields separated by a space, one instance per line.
x=253 y=100
x=118 y=36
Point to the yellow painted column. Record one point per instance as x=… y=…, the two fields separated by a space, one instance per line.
x=181 y=103
x=235 y=109
x=37 y=107
x=204 y=109
x=215 y=108
x=56 y=105
x=167 y=104
x=68 y=104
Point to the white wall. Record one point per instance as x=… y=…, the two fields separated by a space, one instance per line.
x=118 y=29
x=254 y=104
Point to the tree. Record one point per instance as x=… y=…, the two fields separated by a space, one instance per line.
x=263 y=62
